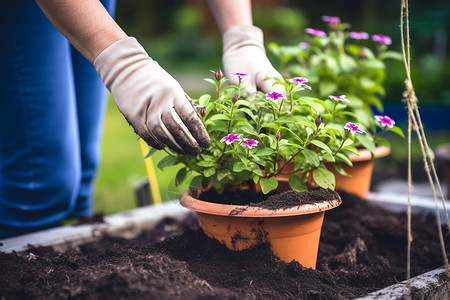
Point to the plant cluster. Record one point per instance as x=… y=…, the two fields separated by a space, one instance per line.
x=269 y=135
x=343 y=62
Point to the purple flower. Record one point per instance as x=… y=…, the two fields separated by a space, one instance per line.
x=250 y=143
x=240 y=74
x=303 y=45
x=358 y=35
x=229 y=139
x=316 y=32
x=299 y=81
x=340 y=98
x=385 y=121
x=353 y=128
x=275 y=96
x=331 y=19
x=194 y=105
x=382 y=39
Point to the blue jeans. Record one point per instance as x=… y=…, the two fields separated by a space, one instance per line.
x=52 y=103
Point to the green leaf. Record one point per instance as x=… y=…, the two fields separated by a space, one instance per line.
x=344 y=158
x=264 y=152
x=391 y=54
x=311 y=157
x=297 y=183
x=340 y=169
x=397 y=130
x=367 y=142
x=207 y=163
x=181 y=176
x=221 y=174
x=347 y=63
x=324 y=178
x=151 y=152
x=382 y=142
x=219 y=117
x=196 y=182
x=209 y=172
x=204 y=100
x=167 y=161
x=351 y=149
x=321 y=145
x=268 y=184
x=239 y=167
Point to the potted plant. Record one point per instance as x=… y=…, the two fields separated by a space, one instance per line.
x=254 y=142
x=344 y=62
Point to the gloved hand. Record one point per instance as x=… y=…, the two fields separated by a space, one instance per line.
x=151 y=100
x=244 y=52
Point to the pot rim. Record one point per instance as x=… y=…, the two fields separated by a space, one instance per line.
x=197 y=205
x=364 y=154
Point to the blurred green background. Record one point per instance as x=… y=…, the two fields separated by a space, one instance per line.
x=183 y=38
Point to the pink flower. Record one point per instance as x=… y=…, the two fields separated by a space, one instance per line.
x=300 y=81
x=331 y=19
x=316 y=32
x=353 y=128
x=382 y=39
x=303 y=45
x=240 y=74
x=194 y=105
x=250 y=143
x=275 y=96
x=358 y=35
x=385 y=121
x=229 y=139
x=339 y=98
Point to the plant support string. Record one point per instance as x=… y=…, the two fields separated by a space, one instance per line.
x=415 y=122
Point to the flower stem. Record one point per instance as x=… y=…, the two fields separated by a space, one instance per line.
x=342 y=144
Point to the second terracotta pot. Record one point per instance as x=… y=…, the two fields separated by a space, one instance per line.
x=358 y=182
x=293 y=233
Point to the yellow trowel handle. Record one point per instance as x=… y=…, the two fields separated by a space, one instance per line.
x=154 y=188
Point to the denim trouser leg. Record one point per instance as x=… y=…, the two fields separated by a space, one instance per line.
x=51 y=107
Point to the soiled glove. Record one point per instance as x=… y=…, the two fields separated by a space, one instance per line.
x=151 y=100
x=244 y=52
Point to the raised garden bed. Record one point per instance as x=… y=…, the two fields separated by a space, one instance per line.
x=362 y=251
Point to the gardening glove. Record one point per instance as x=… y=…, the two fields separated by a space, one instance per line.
x=151 y=100
x=243 y=52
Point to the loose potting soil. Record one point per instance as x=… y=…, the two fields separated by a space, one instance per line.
x=362 y=249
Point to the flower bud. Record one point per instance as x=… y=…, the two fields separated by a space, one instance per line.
x=203 y=111
x=278 y=135
x=218 y=74
x=287 y=75
x=361 y=54
x=235 y=98
x=318 y=121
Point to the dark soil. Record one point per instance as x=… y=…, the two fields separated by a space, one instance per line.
x=362 y=249
x=272 y=200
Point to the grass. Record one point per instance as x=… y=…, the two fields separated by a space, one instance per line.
x=122 y=167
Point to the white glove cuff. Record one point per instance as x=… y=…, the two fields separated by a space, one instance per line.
x=120 y=54
x=242 y=35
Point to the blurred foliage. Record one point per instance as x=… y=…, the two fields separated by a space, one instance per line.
x=182 y=35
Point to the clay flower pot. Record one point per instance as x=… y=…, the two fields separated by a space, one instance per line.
x=293 y=233
x=360 y=174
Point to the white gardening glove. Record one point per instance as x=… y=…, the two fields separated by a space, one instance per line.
x=244 y=52
x=151 y=100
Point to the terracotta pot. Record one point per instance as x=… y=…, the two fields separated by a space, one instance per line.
x=360 y=174
x=293 y=233
x=443 y=156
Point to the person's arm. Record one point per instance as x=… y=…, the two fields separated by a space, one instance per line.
x=85 y=23
x=151 y=100
x=231 y=12
x=243 y=46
